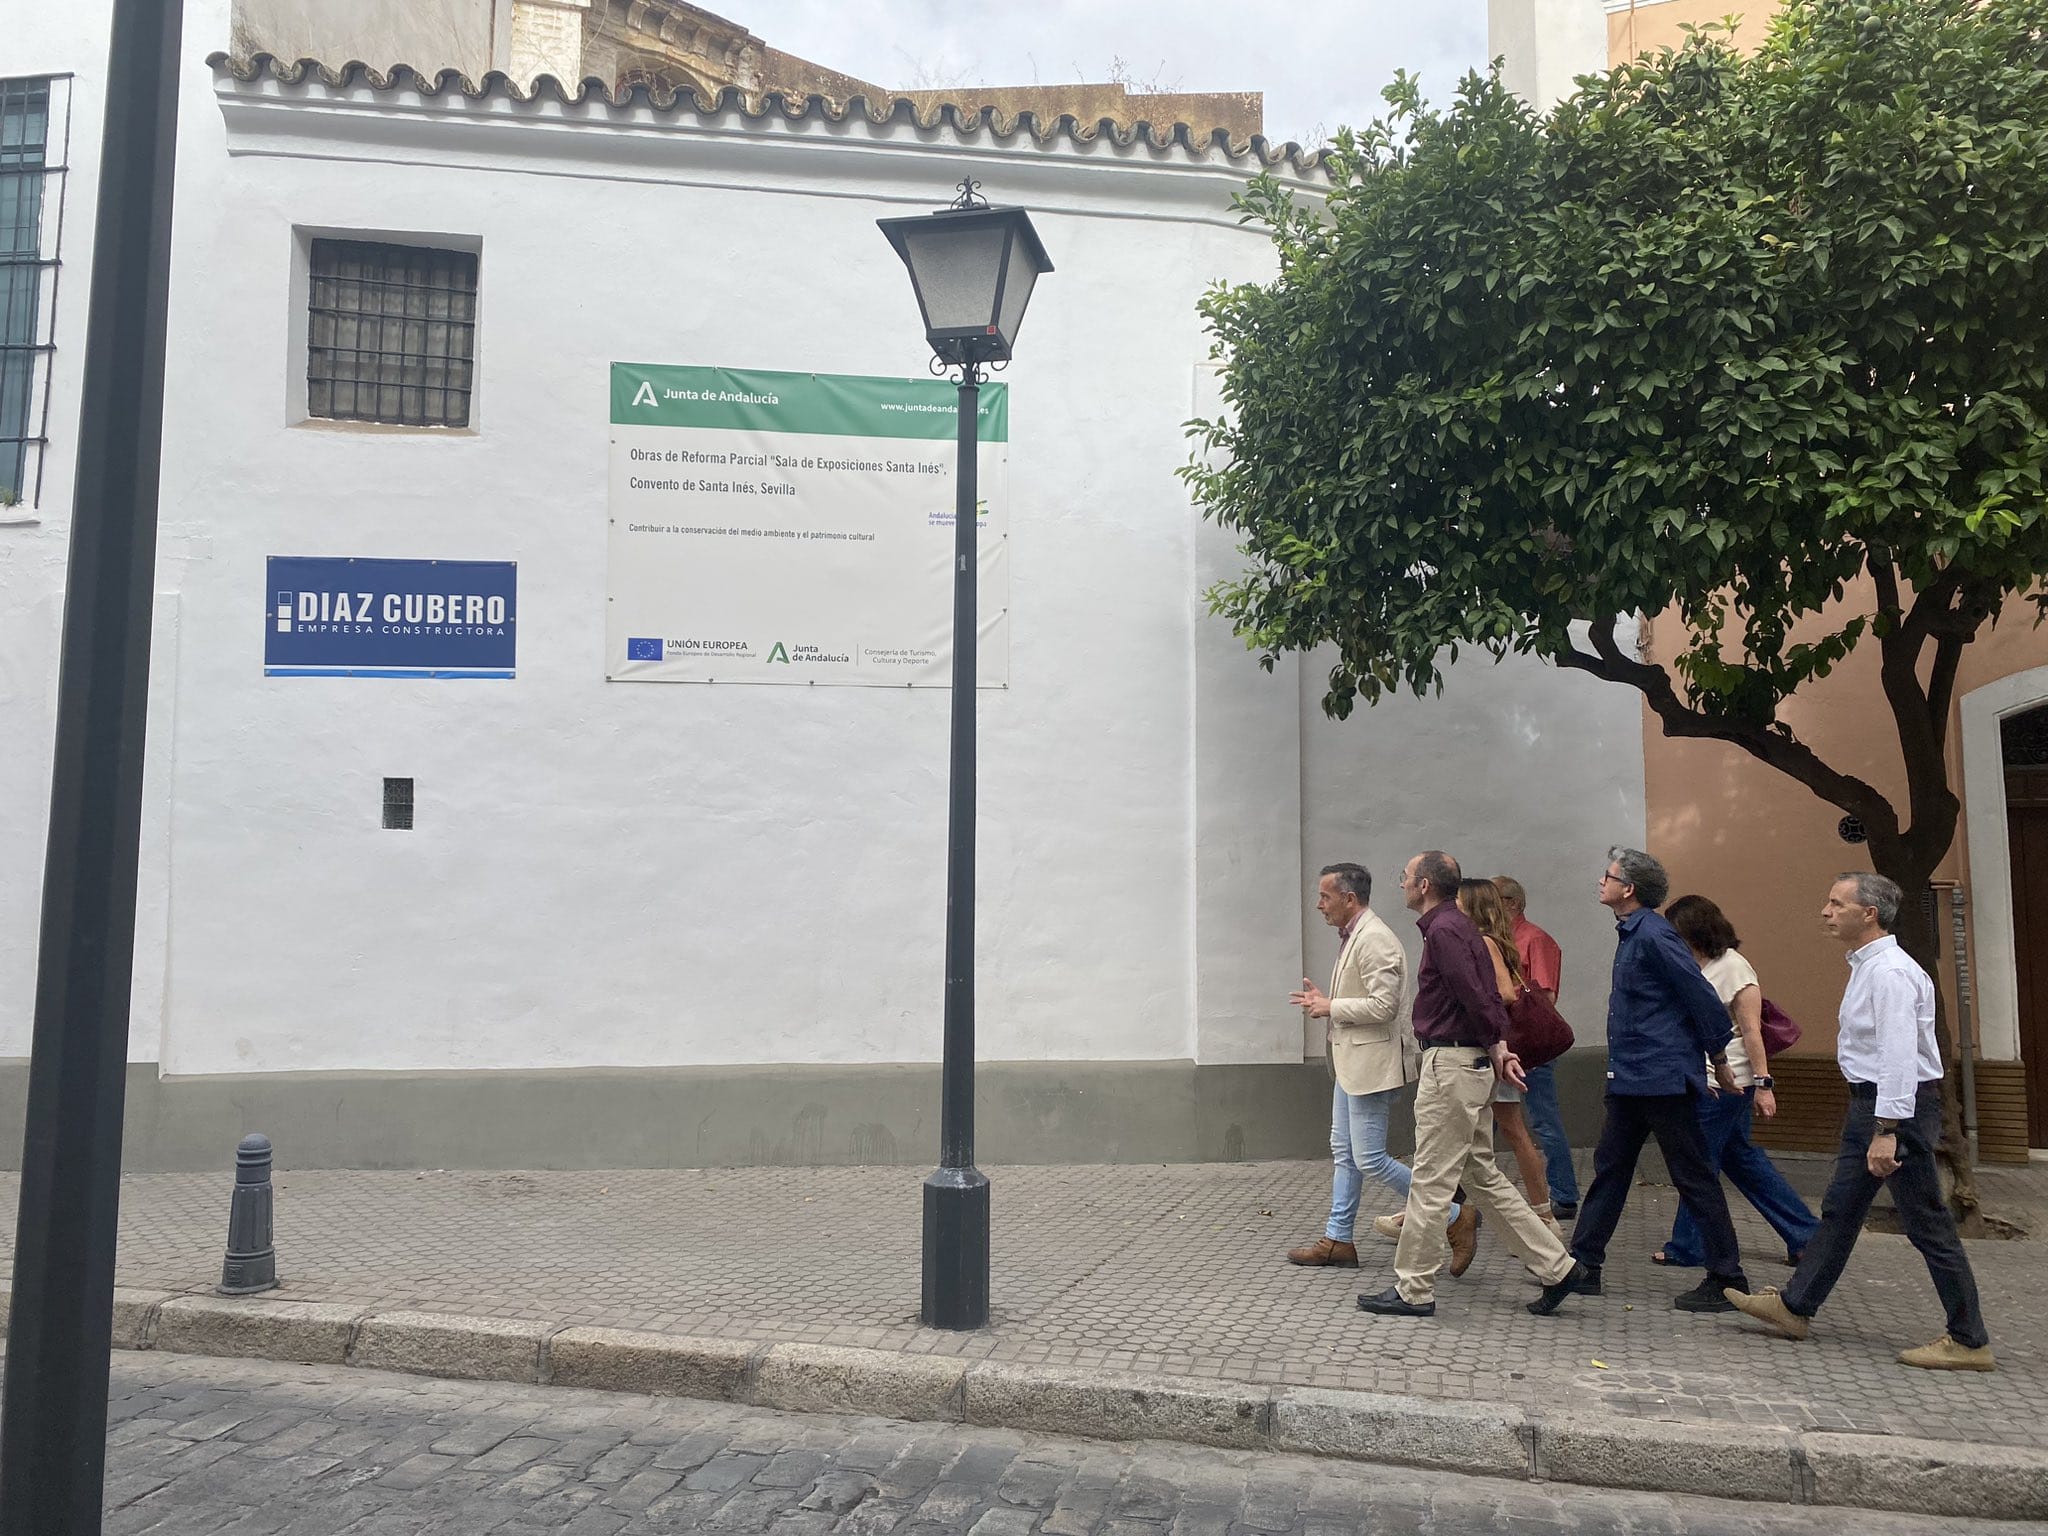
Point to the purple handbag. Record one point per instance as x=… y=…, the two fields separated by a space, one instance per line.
x=1780 y=1029
x=1537 y=1032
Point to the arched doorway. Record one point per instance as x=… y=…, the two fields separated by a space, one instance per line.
x=2023 y=751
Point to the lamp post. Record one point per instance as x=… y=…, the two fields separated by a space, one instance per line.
x=53 y=1428
x=973 y=268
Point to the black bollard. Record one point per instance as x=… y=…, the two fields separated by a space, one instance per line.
x=251 y=1264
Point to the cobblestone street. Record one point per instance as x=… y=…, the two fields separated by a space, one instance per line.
x=204 y=1447
x=1176 y=1269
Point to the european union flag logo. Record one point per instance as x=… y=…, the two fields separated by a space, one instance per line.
x=643 y=650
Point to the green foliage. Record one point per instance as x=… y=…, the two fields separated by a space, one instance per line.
x=1718 y=332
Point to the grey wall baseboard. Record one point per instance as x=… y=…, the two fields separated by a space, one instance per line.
x=722 y=1117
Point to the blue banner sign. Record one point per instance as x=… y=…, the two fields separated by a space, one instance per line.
x=390 y=618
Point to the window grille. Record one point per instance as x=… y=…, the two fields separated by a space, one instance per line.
x=35 y=117
x=391 y=333
x=398 y=805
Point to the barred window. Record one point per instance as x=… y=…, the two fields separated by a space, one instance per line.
x=391 y=333
x=31 y=218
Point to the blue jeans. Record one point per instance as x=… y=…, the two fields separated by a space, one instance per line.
x=1724 y=1121
x=1358 y=1146
x=1540 y=1107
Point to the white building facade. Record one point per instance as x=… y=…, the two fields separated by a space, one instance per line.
x=666 y=924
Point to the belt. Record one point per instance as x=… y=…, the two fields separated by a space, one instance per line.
x=1453 y=1045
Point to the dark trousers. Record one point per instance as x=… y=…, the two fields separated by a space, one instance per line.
x=1916 y=1193
x=1673 y=1118
x=1724 y=1122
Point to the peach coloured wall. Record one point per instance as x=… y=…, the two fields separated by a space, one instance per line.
x=1654 y=24
x=1765 y=847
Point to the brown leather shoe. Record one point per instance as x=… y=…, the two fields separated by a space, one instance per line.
x=1464 y=1236
x=1325 y=1251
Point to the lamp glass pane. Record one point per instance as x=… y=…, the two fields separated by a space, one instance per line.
x=1017 y=290
x=956 y=272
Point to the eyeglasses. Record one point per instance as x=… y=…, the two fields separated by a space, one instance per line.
x=1610 y=875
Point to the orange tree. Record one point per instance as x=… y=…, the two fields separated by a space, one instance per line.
x=1763 y=341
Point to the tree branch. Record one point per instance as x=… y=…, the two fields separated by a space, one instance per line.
x=1941 y=682
x=1770 y=744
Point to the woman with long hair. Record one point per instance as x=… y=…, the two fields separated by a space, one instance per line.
x=1725 y=1118
x=1480 y=901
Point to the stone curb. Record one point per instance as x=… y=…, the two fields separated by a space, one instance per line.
x=1485 y=1438
x=1109 y=1405
x=257 y=1327
x=1885 y=1472
x=443 y=1344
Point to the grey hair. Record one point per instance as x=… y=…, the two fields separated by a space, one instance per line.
x=1353 y=879
x=1638 y=869
x=1879 y=891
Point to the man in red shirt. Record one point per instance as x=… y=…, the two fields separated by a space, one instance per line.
x=1543 y=968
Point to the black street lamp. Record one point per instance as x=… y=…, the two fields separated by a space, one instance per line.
x=973 y=268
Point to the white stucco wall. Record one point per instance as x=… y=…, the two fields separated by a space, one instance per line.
x=1546 y=44
x=631 y=874
x=648 y=875
x=60 y=41
x=1518 y=769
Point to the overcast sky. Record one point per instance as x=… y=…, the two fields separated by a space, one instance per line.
x=1321 y=63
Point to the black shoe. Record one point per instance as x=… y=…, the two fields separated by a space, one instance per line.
x=1553 y=1295
x=1591 y=1285
x=1564 y=1210
x=1705 y=1297
x=1388 y=1303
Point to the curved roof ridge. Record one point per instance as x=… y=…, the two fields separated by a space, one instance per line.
x=1261 y=152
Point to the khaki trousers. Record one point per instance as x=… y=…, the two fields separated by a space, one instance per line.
x=1454 y=1142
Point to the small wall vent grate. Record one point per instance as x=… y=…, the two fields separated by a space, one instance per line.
x=398 y=805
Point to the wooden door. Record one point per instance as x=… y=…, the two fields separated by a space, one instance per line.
x=2027 y=826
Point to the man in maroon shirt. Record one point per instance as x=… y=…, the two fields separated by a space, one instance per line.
x=1462 y=1026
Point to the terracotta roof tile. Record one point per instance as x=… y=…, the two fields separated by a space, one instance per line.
x=1253 y=154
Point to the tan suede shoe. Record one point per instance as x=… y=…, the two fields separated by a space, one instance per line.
x=1769 y=1308
x=1464 y=1236
x=1389 y=1226
x=1945 y=1354
x=1324 y=1251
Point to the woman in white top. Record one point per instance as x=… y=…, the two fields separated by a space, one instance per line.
x=1725 y=1118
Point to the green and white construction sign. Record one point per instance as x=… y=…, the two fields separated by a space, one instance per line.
x=796 y=528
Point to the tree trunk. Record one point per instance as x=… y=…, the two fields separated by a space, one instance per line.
x=1919 y=934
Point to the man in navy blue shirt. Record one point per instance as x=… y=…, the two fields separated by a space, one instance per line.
x=1664 y=1020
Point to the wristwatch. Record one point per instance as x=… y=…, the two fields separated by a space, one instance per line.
x=1887 y=1130
x=1766 y=1081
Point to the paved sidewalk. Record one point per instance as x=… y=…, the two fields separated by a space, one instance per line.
x=1149 y=1269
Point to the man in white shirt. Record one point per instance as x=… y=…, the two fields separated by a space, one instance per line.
x=1887 y=1050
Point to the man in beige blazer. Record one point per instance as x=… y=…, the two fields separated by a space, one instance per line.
x=1372 y=1052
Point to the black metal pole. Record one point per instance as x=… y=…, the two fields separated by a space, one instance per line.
x=956 y=1194
x=60 y=1323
